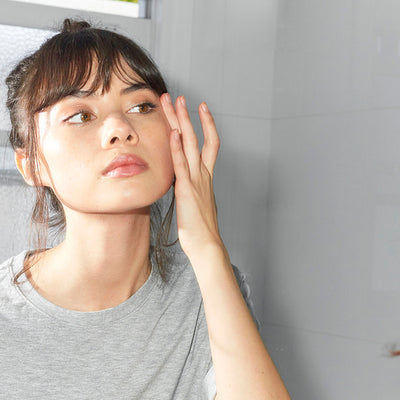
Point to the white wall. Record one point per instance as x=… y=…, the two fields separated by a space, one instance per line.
x=332 y=282
x=223 y=52
x=306 y=97
x=208 y=51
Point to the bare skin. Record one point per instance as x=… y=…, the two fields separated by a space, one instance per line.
x=243 y=367
x=104 y=257
x=100 y=276
x=106 y=246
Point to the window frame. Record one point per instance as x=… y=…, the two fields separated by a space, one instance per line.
x=39 y=16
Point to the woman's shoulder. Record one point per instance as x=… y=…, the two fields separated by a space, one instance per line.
x=12 y=265
x=8 y=269
x=180 y=271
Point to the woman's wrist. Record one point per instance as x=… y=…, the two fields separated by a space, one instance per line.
x=212 y=267
x=207 y=255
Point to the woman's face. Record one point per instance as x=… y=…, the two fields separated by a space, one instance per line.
x=81 y=136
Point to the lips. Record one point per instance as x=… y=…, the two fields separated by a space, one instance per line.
x=125 y=165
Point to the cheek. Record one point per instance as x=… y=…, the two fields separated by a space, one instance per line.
x=49 y=159
x=165 y=154
x=52 y=151
x=157 y=138
x=61 y=161
x=161 y=154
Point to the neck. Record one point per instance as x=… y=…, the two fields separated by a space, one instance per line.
x=103 y=260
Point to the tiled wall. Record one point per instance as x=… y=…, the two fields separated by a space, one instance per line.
x=306 y=98
x=223 y=52
x=332 y=285
x=209 y=51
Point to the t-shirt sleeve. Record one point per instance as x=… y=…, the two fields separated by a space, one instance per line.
x=210 y=386
x=246 y=293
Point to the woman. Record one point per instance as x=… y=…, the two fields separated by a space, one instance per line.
x=111 y=312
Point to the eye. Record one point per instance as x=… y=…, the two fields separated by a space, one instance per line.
x=80 y=117
x=143 y=108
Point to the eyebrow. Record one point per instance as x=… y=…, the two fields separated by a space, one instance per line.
x=132 y=88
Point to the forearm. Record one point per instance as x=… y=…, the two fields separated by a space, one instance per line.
x=242 y=364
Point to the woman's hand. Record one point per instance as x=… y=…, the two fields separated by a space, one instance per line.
x=195 y=202
x=243 y=367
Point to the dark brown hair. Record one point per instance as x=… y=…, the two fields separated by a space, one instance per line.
x=60 y=67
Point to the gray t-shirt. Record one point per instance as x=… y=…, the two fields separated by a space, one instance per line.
x=153 y=346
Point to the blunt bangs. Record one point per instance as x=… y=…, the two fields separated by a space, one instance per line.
x=65 y=63
x=78 y=57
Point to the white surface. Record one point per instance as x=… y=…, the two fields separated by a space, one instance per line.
x=15 y=43
x=313 y=130
x=331 y=367
x=231 y=67
x=222 y=52
x=331 y=287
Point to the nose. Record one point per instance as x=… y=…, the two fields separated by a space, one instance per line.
x=118 y=131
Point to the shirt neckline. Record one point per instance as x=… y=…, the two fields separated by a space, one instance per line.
x=32 y=296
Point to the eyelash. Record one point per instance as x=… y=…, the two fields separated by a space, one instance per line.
x=67 y=120
x=148 y=104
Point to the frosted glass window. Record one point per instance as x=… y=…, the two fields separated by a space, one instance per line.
x=127 y=8
x=15 y=196
x=15 y=43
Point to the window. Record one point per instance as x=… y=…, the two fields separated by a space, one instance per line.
x=127 y=8
x=15 y=43
x=23 y=27
x=25 y=24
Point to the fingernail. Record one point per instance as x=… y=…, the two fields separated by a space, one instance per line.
x=168 y=98
x=183 y=101
x=204 y=107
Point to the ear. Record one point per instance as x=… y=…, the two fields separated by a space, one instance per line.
x=22 y=162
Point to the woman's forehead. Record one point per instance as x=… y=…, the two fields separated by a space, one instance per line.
x=120 y=73
x=116 y=80
x=87 y=75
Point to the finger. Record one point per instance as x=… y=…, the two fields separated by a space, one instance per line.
x=169 y=112
x=179 y=161
x=211 y=144
x=190 y=142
